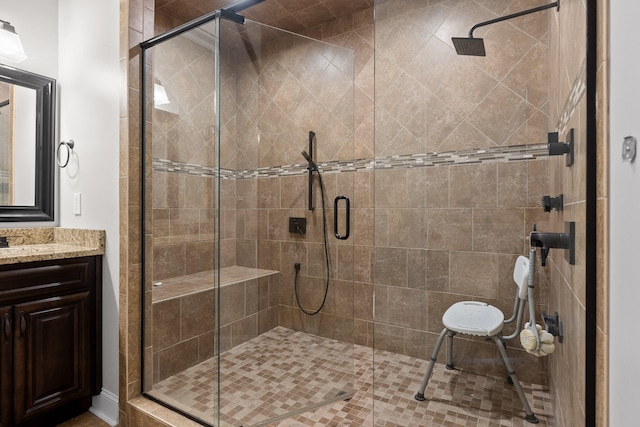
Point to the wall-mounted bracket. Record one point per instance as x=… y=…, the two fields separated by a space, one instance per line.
x=557 y=148
x=549 y=203
x=230 y=12
x=553 y=325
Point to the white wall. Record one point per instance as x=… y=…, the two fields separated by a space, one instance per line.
x=89 y=77
x=80 y=49
x=624 y=220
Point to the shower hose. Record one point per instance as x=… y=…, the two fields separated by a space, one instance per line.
x=326 y=258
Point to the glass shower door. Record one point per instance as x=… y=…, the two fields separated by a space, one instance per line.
x=286 y=328
x=180 y=195
x=248 y=250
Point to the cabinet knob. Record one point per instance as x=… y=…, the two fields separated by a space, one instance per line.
x=23 y=323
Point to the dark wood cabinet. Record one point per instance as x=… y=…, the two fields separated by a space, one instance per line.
x=50 y=343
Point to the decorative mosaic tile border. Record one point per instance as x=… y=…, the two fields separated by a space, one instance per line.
x=484 y=155
x=578 y=89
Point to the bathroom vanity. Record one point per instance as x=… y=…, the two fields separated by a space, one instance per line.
x=51 y=330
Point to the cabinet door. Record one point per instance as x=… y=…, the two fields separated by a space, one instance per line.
x=6 y=362
x=51 y=354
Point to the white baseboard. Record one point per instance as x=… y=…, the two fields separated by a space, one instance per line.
x=105 y=407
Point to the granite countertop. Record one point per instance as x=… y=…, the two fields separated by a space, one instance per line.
x=48 y=243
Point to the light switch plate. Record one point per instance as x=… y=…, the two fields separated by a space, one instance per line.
x=77 y=203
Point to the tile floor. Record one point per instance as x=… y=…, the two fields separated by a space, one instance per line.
x=266 y=379
x=261 y=382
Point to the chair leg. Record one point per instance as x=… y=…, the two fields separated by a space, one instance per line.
x=530 y=417
x=420 y=394
x=450 y=351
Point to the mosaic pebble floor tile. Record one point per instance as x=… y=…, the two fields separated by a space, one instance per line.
x=279 y=373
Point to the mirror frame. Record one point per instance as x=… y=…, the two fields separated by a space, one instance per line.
x=45 y=88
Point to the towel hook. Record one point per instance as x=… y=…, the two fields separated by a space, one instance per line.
x=69 y=149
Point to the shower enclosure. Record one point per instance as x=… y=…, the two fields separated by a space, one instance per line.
x=377 y=186
x=242 y=232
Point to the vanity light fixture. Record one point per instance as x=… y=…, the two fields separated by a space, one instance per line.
x=10 y=44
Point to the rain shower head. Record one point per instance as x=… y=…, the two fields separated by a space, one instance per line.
x=475 y=46
x=312 y=164
x=469 y=46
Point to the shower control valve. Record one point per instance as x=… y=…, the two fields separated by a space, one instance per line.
x=297 y=225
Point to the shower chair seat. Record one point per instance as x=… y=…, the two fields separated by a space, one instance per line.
x=484 y=320
x=474 y=318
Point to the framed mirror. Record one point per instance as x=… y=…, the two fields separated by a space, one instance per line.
x=27 y=132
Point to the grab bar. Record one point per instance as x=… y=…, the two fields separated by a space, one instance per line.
x=335 y=217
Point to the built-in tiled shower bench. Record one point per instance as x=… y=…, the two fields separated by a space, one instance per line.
x=185 y=315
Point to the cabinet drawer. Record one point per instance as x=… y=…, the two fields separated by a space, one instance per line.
x=45 y=278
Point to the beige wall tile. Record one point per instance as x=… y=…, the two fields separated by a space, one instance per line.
x=408 y=228
x=498 y=230
x=450 y=229
x=500 y=114
x=390 y=266
x=438 y=271
x=166 y=318
x=177 y=358
x=244 y=330
x=523 y=183
x=198 y=314
x=529 y=78
x=474 y=186
x=252 y=296
x=390 y=188
x=169 y=261
x=389 y=338
x=437 y=187
x=464 y=137
x=474 y=274
x=417 y=269
x=184 y=225
x=505 y=45
x=234 y=307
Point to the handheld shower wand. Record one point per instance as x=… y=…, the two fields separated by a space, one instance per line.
x=314 y=167
x=312 y=164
